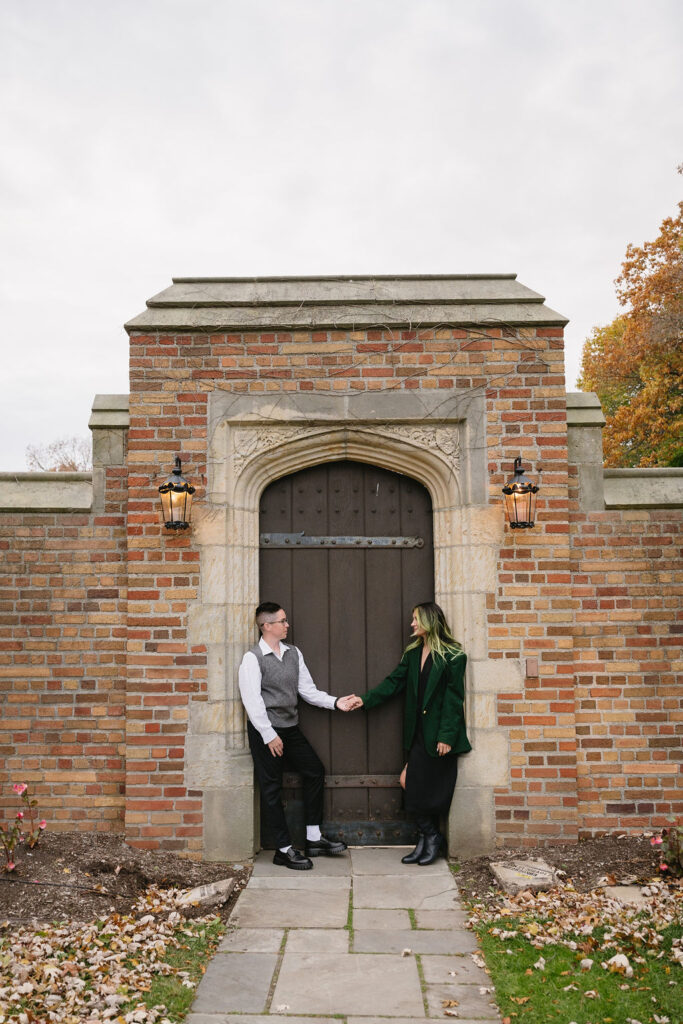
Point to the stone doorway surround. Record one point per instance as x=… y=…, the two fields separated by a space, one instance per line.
x=256 y=439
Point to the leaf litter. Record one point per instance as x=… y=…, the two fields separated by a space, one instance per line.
x=86 y=973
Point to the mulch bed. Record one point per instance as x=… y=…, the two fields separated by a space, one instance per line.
x=619 y=858
x=79 y=876
x=55 y=881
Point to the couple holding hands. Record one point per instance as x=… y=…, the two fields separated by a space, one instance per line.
x=272 y=677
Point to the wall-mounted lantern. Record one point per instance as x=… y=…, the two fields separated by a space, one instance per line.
x=176 y=500
x=520 y=499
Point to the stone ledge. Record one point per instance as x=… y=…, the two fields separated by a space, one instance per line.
x=46 y=492
x=659 y=487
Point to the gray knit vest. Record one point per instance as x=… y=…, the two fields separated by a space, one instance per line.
x=279 y=686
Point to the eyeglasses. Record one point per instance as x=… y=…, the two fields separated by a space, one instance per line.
x=278 y=622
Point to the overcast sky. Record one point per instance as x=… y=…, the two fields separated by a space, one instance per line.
x=145 y=139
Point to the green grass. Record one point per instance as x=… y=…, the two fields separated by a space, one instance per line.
x=538 y=997
x=194 y=954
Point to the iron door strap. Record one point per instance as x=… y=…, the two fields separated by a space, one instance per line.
x=303 y=540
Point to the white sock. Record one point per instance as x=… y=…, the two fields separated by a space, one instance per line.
x=313 y=833
x=285 y=849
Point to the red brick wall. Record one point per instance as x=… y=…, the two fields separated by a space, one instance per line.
x=587 y=601
x=522 y=376
x=628 y=571
x=62 y=661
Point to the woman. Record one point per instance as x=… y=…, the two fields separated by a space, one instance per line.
x=431 y=672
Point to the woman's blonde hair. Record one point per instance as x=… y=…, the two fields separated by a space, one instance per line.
x=431 y=618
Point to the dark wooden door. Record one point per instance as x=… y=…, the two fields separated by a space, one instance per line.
x=349 y=600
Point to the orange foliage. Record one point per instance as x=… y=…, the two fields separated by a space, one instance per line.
x=635 y=364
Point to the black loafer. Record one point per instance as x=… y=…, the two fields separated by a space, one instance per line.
x=325 y=846
x=292 y=859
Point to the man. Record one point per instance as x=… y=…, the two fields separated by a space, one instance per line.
x=272 y=677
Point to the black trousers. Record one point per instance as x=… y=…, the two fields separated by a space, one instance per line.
x=298 y=756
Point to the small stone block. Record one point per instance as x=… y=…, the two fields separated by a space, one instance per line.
x=214 y=893
x=516 y=875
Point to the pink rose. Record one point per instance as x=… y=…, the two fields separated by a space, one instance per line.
x=20 y=787
x=10 y=866
x=656 y=841
x=43 y=824
x=20 y=815
x=663 y=867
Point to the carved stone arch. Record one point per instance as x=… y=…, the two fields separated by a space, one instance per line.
x=251 y=446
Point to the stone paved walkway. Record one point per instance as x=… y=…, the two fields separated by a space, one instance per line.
x=362 y=937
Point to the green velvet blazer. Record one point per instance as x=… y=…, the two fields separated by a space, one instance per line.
x=443 y=710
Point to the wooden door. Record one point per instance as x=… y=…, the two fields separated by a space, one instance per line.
x=346 y=549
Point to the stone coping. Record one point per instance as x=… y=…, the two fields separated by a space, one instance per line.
x=650 y=488
x=46 y=492
x=344 y=302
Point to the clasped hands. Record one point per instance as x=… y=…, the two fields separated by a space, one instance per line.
x=349 y=703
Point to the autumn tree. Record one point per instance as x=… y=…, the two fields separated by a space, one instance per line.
x=635 y=364
x=64 y=455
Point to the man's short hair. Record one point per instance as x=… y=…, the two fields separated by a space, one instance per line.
x=265 y=609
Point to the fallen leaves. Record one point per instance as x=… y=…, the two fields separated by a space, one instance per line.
x=563 y=916
x=66 y=973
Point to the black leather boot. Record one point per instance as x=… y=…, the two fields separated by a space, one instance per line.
x=414 y=856
x=433 y=843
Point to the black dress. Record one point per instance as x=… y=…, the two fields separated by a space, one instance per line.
x=430 y=781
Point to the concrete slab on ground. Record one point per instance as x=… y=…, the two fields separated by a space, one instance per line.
x=628 y=895
x=291 y=908
x=264 y=867
x=236 y=981
x=517 y=875
x=349 y=984
x=383 y=941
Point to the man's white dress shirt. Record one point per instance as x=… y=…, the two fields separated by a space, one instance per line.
x=249 y=678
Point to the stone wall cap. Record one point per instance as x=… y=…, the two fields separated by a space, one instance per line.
x=345 y=302
x=111 y=402
x=584 y=410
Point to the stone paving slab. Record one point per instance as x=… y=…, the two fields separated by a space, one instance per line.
x=252 y=940
x=372 y=1020
x=236 y=981
x=318 y=940
x=392 y=891
x=386 y=860
x=383 y=941
x=437 y=970
x=239 y=1018
x=471 y=1003
x=441 y=918
x=264 y=867
x=286 y=908
x=349 y=984
x=374 y=919
x=301 y=880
